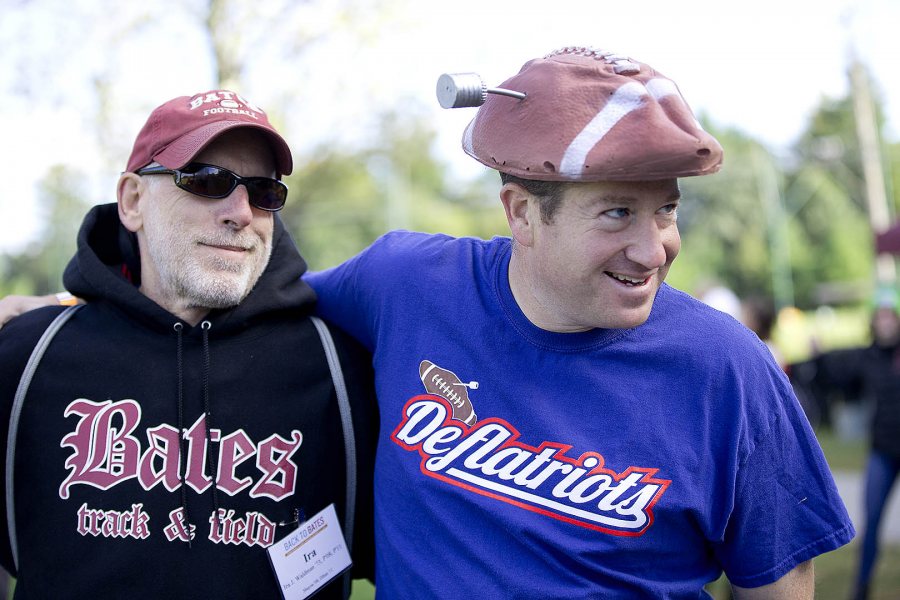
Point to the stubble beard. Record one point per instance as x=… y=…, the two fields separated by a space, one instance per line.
x=208 y=282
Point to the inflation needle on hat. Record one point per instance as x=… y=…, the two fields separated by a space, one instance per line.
x=461 y=90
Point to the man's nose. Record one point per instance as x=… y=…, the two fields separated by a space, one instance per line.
x=648 y=244
x=236 y=211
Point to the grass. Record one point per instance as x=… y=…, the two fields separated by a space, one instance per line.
x=836 y=571
x=362 y=590
x=843 y=454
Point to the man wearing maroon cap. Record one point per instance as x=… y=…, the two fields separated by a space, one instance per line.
x=192 y=412
x=557 y=421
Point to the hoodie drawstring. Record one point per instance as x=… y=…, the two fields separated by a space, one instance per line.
x=211 y=463
x=182 y=452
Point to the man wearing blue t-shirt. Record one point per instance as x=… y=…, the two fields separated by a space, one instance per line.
x=556 y=421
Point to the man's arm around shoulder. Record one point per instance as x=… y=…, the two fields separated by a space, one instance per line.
x=13 y=306
x=797 y=584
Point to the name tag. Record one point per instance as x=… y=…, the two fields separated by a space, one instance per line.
x=311 y=556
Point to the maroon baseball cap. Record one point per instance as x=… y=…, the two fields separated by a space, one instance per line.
x=178 y=130
x=591 y=115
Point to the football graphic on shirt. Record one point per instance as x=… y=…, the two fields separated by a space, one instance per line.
x=446 y=384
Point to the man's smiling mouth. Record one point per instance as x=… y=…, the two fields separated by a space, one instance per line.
x=630 y=281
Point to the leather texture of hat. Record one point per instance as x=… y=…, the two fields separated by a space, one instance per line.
x=591 y=115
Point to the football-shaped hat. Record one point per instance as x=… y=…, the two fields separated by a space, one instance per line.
x=590 y=115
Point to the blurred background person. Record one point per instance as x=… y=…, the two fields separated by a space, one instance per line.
x=878 y=375
x=867 y=377
x=758 y=314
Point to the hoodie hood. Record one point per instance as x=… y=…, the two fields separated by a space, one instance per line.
x=99 y=269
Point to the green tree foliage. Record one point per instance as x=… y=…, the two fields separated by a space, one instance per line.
x=892 y=172
x=723 y=222
x=39 y=268
x=240 y=35
x=794 y=227
x=831 y=241
x=791 y=227
x=830 y=143
x=827 y=193
x=341 y=200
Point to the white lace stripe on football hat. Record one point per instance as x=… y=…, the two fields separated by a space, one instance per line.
x=625 y=99
x=661 y=87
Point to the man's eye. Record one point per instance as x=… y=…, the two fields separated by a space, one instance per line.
x=669 y=209
x=616 y=213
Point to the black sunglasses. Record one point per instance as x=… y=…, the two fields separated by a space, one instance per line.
x=211 y=181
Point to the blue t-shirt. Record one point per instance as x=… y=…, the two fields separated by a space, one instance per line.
x=514 y=462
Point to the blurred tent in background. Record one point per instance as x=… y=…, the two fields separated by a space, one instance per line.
x=888 y=241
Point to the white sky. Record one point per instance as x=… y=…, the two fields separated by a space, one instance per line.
x=760 y=66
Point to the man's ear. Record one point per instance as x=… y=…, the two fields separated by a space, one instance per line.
x=129 y=192
x=522 y=210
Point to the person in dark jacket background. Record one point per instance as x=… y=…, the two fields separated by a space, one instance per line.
x=185 y=417
x=876 y=372
x=867 y=377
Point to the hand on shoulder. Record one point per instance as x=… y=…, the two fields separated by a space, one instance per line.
x=13 y=306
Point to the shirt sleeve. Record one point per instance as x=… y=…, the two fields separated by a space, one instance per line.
x=356 y=294
x=787 y=509
x=344 y=297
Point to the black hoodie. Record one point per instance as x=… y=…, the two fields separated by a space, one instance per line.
x=97 y=481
